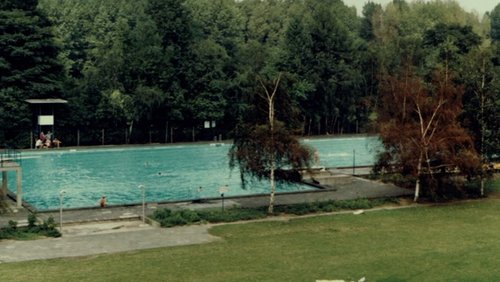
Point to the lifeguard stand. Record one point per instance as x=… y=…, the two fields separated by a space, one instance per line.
x=43 y=113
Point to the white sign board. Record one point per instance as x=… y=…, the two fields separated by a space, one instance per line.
x=209 y=124
x=46 y=120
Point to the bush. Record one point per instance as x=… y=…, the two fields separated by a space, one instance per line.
x=49 y=224
x=297 y=209
x=355 y=204
x=9 y=231
x=190 y=216
x=12 y=225
x=168 y=218
x=47 y=228
x=231 y=215
x=162 y=214
x=329 y=206
x=52 y=233
x=31 y=220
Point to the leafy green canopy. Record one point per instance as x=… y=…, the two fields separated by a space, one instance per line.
x=133 y=67
x=254 y=152
x=264 y=141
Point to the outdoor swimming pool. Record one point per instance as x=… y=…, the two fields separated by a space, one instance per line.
x=169 y=173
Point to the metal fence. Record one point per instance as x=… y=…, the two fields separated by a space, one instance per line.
x=116 y=136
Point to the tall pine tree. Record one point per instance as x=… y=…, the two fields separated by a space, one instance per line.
x=28 y=66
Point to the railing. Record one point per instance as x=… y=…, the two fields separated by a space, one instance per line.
x=10 y=156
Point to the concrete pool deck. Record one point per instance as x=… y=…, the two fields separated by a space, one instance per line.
x=349 y=188
x=119 y=228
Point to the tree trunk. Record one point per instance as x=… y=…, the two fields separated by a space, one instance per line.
x=482 y=186
x=270 y=209
x=130 y=130
x=270 y=101
x=417 y=184
x=309 y=127
x=304 y=124
x=483 y=129
x=166 y=132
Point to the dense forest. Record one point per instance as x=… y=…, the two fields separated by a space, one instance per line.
x=187 y=70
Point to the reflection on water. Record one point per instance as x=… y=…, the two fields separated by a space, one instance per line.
x=169 y=173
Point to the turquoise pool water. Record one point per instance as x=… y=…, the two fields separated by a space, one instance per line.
x=169 y=173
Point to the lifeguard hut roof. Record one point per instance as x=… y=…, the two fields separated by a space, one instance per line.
x=46 y=101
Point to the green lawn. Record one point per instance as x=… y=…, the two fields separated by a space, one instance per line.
x=457 y=242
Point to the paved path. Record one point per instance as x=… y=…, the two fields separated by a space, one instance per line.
x=102 y=238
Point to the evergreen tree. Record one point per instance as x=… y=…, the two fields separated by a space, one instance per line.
x=174 y=23
x=495 y=23
x=29 y=67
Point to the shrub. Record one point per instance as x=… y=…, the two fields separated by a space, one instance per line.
x=12 y=225
x=48 y=224
x=3 y=234
x=47 y=228
x=190 y=216
x=297 y=209
x=231 y=215
x=168 y=218
x=330 y=206
x=31 y=220
x=174 y=219
x=33 y=228
x=355 y=204
x=162 y=214
x=53 y=233
x=9 y=232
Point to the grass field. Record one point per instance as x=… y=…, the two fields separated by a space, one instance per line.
x=455 y=242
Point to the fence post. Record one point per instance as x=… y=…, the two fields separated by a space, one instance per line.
x=102 y=134
x=166 y=132
x=353 y=161
x=78 y=137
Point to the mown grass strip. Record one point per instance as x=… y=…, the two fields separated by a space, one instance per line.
x=456 y=242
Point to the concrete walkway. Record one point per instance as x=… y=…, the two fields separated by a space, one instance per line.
x=102 y=238
x=119 y=229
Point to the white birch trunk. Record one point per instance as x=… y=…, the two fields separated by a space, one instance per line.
x=270 y=100
x=130 y=130
x=270 y=209
x=272 y=168
x=417 y=184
